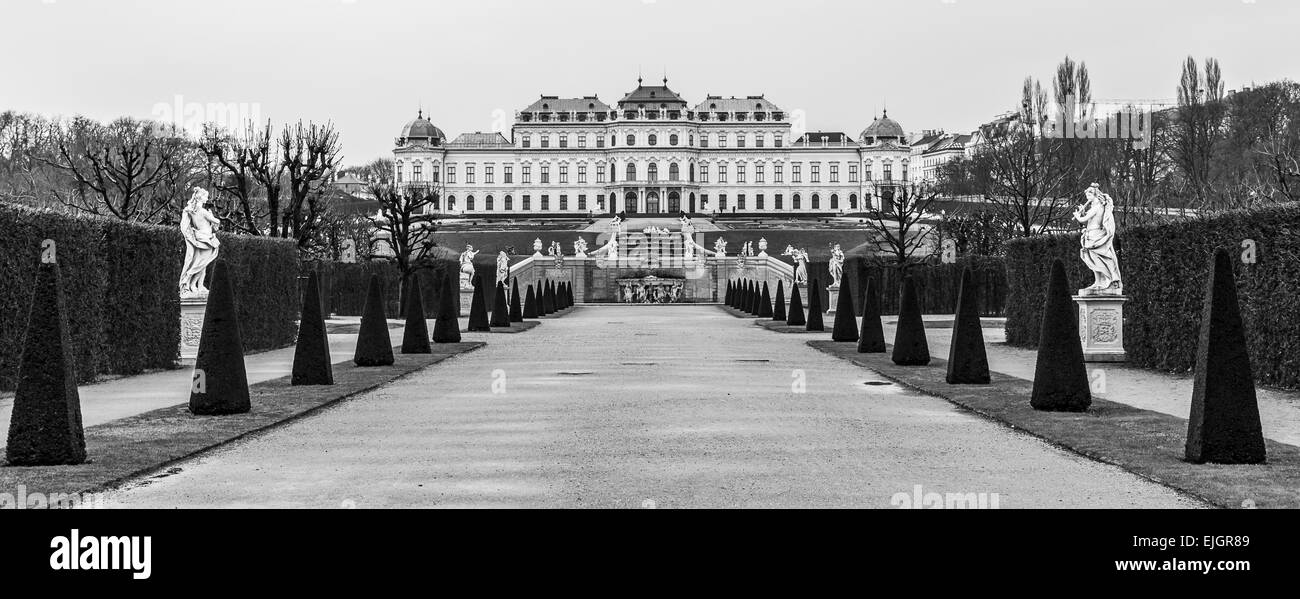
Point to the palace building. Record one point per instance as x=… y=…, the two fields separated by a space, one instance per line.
x=652 y=153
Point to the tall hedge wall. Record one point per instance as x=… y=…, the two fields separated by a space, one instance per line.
x=120 y=282
x=938 y=285
x=343 y=285
x=1164 y=269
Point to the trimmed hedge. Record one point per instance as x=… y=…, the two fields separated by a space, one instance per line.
x=344 y=285
x=120 y=281
x=1165 y=268
x=938 y=286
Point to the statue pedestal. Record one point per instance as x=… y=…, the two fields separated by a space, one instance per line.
x=833 y=292
x=467 y=300
x=192 y=311
x=1101 y=327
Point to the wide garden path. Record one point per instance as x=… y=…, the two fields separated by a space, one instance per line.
x=641 y=406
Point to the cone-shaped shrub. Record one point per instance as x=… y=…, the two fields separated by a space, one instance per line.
x=374 y=346
x=311 y=355
x=778 y=308
x=738 y=299
x=1060 y=376
x=220 y=384
x=569 y=297
x=530 y=303
x=967 y=361
x=846 y=322
x=765 y=303
x=516 y=307
x=1224 y=425
x=548 y=299
x=751 y=297
x=871 y=339
x=478 y=316
x=726 y=297
x=446 y=323
x=415 y=339
x=795 y=317
x=562 y=293
x=815 y=307
x=757 y=301
x=45 y=425
x=910 y=346
x=500 y=308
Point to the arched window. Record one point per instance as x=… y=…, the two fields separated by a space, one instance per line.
x=835 y=201
x=469 y=202
x=672 y=139
x=399 y=171
x=451 y=203
x=631 y=172
x=653 y=172
x=816 y=202
x=794 y=202
x=631 y=139
x=487 y=203
x=652 y=140
x=510 y=203
x=853 y=201
x=674 y=173
x=630 y=201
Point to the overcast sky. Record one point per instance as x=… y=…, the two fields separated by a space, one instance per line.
x=368 y=64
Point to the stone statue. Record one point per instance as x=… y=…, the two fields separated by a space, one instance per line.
x=801 y=259
x=503 y=267
x=467 y=267
x=556 y=252
x=1097 y=214
x=836 y=265
x=688 y=237
x=199 y=227
x=580 y=248
x=720 y=247
x=762 y=247
x=537 y=247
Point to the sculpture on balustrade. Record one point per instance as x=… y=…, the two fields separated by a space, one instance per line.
x=801 y=259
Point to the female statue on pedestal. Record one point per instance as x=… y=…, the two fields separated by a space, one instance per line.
x=199 y=227
x=1097 y=242
x=801 y=259
x=836 y=266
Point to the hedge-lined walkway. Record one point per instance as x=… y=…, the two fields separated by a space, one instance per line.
x=1279 y=410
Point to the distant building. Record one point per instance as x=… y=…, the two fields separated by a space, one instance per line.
x=652 y=153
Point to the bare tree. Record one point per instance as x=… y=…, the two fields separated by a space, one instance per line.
x=897 y=225
x=403 y=225
x=310 y=155
x=1198 y=129
x=267 y=169
x=231 y=159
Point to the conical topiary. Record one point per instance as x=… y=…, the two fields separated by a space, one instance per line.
x=500 y=308
x=778 y=310
x=1224 y=426
x=765 y=303
x=569 y=297
x=530 y=303
x=374 y=346
x=45 y=424
x=220 y=384
x=871 y=339
x=415 y=339
x=544 y=302
x=478 y=316
x=795 y=318
x=846 y=323
x=815 y=307
x=910 y=346
x=311 y=354
x=446 y=323
x=516 y=307
x=1060 y=376
x=562 y=295
x=726 y=297
x=968 y=363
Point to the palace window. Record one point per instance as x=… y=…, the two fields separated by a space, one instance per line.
x=740 y=142
x=564 y=174
x=722 y=173
x=816 y=202
x=652 y=172
x=758 y=202
x=704 y=201
x=722 y=202
x=740 y=201
x=399 y=172
x=469 y=174
x=889 y=172
x=652 y=140
x=527 y=140
x=546 y=202
x=508 y=176
x=796 y=173
x=631 y=139
x=853 y=201
x=835 y=201
x=600 y=141
x=777 y=140
x=760 y=173
x=488 y=176
x=704 y=140
x=631 y=172
x=582 y=173
x=469 y=203
x=564 y=203
x=546 y=176
x=778 y=173
x=722 y=140
x=866 y=172
x=546 y=140
x=527 y=175
x=674 y=174
x=690 y=139
x=510 y=203
x=816 y=174
x=904 y=171
x=794 y=201
x=672 y=139
x=612 y=140
x=582 y=141
x=433 y=173
x=600 y=173
x=451 y=203
x=415 y=172
x=528 y=203
x=776 y=202
x=853 y=173
x=582 y=202
x=740 y=175
x=451 y=173
x=704 y=173
x=487 y=203
x=835 y=173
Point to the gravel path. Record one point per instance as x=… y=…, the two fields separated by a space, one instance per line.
x=641 y=406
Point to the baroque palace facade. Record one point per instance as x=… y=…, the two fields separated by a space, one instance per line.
x=651 y=154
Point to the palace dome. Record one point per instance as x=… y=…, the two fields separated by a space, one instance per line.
x=883 y=127
x=421 y=128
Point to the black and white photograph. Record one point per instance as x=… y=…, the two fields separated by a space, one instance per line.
x=1036 y=260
